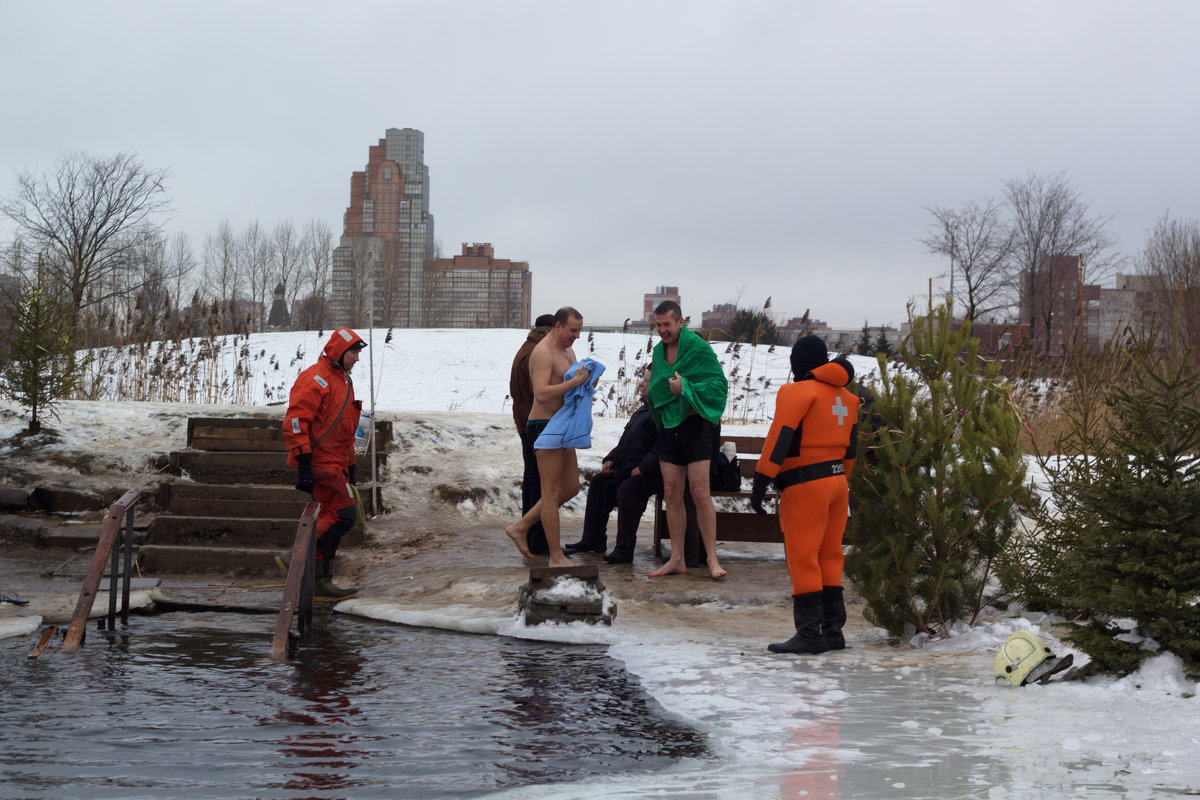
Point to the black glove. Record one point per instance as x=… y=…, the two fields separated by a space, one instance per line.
x=350 y=474
x=759 y=492
x=305 y=480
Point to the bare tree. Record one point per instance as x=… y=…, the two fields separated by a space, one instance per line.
x=979 y=243
x=288 y=250
x=141 y=304
x=1050 y=221
x=434 y=280
x=259 y=252
x=181 y=265
x=88 y=215
x=367 y=257
x=317 y=246
x=390 y=285
x=223 y=274
x=1170 y=264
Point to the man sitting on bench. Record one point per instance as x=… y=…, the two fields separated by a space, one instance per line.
x=627 y=480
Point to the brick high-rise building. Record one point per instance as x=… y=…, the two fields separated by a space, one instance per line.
x=387 y=242
x=1050 y=303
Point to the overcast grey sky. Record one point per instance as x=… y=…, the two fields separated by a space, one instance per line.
x=737 y=150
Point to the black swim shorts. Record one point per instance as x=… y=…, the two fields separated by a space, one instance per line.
x=533 y=429
x=693 y=440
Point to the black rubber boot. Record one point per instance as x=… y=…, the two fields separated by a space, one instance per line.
x=833 y=617
x=806 y=613
x=323 y=585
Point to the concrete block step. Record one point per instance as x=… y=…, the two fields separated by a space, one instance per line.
x=193 y=560
x=72 y=537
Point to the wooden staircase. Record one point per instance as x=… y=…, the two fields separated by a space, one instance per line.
x=235 y=506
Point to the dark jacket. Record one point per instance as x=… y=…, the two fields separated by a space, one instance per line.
x=520 y=385
x=636 y=447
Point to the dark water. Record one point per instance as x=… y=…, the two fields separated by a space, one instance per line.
x=188 y=705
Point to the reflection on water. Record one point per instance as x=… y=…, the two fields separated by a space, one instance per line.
x=188 y=705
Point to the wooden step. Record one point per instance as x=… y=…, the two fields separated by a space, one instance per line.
x=269 y=440
x=259 y=468
x=262 y=434
x=182 y=559
x=228 y=532
x=224 y=500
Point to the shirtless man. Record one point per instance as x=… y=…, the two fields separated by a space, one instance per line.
x=558 y=467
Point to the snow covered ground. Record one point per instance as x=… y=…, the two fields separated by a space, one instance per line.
x=920 y=720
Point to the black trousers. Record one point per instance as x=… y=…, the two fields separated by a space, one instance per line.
x=531 y=492
x=629 y=495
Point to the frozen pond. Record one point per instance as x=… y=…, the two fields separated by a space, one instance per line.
x=188 y=705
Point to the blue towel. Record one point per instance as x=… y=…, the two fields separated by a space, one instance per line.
x=571 y=425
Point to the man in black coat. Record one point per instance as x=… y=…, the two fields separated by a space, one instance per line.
x=628 y=478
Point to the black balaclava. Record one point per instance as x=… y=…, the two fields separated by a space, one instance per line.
x=808 y=353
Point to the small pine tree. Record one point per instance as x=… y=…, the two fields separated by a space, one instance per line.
x=938 y=484
x=882 y=346
x=1126 y=517
x=42 y=366
x=753 y=327
x=863 y=346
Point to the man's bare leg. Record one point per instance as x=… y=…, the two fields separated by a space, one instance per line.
x=558 y=467
x=518 y=529
x=673 y=476
x=706 y=515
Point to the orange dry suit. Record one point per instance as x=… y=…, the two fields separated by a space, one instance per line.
x=321 y=418
x=808 y=453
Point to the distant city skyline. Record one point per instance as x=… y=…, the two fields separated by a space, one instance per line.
x=737 y=151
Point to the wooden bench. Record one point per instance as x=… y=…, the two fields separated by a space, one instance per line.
x=732 y=526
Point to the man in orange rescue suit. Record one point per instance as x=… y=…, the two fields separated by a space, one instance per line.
x=808 y=455
x=319 y=433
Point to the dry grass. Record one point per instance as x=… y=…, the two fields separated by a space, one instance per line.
x=1062 y=402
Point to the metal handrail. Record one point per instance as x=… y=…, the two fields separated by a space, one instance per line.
x=123 y=508
x=298 y=589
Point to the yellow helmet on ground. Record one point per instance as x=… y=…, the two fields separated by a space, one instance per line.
x=1025 y=658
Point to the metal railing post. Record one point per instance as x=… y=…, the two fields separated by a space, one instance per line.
x=127 y=576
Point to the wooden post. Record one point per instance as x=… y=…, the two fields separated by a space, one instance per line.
x=298 y=590
x=47 y=635
x=91 y=583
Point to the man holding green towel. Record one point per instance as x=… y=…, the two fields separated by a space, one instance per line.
x=687 y=398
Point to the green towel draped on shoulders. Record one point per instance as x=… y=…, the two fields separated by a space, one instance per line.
x=704 y=385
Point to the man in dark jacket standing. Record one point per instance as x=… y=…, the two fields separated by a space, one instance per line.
x=520 y=388
x=629 y=476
